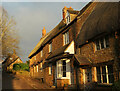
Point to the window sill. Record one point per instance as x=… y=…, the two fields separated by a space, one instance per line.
x=50 y=74
x=49 y=52
x=105 y=84
x=63 y=78
x=102 y=49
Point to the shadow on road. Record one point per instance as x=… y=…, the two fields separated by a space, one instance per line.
x=7 y=81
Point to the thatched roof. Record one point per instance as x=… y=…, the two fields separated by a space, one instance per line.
x=58 y=52
x=57 y=30
x=82 y=60
x=103 y=19
x=73 y=11
x=11 y=59
x=54 y=32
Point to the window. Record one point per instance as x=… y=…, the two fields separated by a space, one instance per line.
x=68 y=18
x=37 y=67
x=35 y=57
x=34 y=69
x=105 y=74
x=64 y=68
x=110 y=73
x=66 y=38
x=107 y=41
x=89 y=75
x=41 y=66
x=50 y=69
x=50 y=47
x=102 y=43
x=41 y=53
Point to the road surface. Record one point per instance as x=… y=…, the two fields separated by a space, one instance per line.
x=10 y=81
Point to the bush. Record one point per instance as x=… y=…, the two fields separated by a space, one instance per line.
x=16 y=67
x=21 y=66
x=116 y=86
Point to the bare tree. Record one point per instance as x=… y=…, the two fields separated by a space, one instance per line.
x=8 y=34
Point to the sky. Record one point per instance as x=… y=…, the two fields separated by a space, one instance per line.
x=31 y=17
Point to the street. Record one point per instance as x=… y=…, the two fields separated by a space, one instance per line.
x=10 y=81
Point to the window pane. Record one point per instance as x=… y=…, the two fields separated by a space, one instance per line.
x=103 y=70
x=97 y=45
x=67 y=37
x=64 y=68
x=110 y=73
x=51 y=68
x=64 y=63
x=64 y=74
x=89 y=75
x=104 y=79
x=111 y=78
x=98 y=78
x=107 y=41
x=104 y=74
x=110 y=69
x=98 y=75
x=98 y=70
x=102 y=43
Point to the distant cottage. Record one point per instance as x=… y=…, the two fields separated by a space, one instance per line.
x=10 y=61
x=83 y=48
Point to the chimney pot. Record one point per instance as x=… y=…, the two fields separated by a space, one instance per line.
x=64 y=12
x=43 y=32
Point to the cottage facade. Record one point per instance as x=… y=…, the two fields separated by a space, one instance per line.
x=72 y=54
x=10 y=61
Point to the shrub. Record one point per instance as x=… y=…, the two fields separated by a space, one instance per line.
x=16 y=67
x=21 y=66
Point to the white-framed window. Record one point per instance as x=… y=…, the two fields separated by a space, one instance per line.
x=34 y=69
x=102 y=43
x=105 y=74
x=41 y=66
x=66 y=38
x=50 y=69
x=35 y=57
x=64 y=68
x=41 y=53
x=89 y=74
x=37 y=67
x=68 y=18
x=50 y=47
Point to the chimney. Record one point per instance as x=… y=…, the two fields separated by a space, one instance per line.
x=43 y=32
x=14 y=52
x=71 y=8
x=64 y=11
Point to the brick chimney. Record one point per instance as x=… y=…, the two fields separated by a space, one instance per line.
x=43 y=32
x=14 y=51
x=64 y=10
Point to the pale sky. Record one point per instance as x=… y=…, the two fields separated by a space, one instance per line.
x=31 y=17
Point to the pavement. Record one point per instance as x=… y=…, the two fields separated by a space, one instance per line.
x=10 y=81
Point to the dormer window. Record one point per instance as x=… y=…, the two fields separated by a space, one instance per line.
x=66 y=38
x=102 y=43
x=68 y=18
